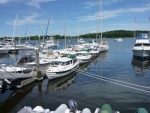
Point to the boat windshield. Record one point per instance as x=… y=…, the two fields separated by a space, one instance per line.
x=146 y=44
x=62 y=63
x=136 y=45
x=54 y=64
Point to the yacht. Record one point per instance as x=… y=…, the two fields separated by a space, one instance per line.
x=83 y=57
x=118 y=39
x=3 y=50
x=141 y=48
x=62 y=66
x=81 y=41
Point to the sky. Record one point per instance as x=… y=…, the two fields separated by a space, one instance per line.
x=19 y=18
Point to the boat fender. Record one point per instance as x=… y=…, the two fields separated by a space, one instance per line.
x=86 y=110
x=61 y=109
x=7 y=81
x=142 y=110
x=106 y=109
x=72 y=106
x=97 y=110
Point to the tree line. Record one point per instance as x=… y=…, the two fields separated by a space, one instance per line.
x=107 y=34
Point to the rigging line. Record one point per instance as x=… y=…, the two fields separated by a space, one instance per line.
x=119 y=84
x=118 y=81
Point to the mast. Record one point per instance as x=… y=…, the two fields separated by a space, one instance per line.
x=46 y=31
x=26 y=31
x=135 y=29
x=15 y=25
x=51 y=27
x=101 y=19
x=78 y=31
x=64 y=28
x=15 y=29
x=42 y=28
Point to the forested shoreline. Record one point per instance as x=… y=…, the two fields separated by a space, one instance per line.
x=107 y=34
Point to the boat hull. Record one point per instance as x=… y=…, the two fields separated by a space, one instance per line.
x=3 y=51
x=58 y=74
x=141 y=53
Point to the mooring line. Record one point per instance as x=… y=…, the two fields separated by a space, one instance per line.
x=115 y=82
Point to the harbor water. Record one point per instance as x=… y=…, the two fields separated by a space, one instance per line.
x=115 y=78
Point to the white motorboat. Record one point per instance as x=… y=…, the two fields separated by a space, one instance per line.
x=3 y=50
x=81 y=41
x=118 y=40
x=141 y=48
x=47 y=53
x=83 y=57
x=11 y=48
x=62 y=66
x=94 y=51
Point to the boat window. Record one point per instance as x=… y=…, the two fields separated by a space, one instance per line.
x=54 y=63
x=62 y=63
x=138 y=45
x=70 y=61
x=67 y=63
x=146 y=44
x=75 y=60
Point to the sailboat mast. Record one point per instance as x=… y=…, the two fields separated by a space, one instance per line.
x=42 y=28
x=47 y=28
x=15 y=27
x=51 y=27
x=14 y=30
x=78 y=31
x=101 y=18
x=64 y=28
x=26 y=31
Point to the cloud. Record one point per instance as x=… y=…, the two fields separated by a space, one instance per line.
x=90 y=4
x=113 y=13
x=36 y=3
x=4 y=1
x=31 y=19
x=93 y=4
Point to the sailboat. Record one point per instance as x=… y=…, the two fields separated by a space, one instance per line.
x=103 y=45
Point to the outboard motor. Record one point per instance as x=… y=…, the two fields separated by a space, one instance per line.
x=72 y=106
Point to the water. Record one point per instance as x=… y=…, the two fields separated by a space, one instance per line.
x=88 y=88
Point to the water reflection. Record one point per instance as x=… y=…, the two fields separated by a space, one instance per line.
x=11 y=97
x=84 y=67
x=103 y=56
x=141 y=67
x=3 y=57
x=60 y=83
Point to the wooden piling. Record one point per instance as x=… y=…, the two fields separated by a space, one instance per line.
x=39 y=74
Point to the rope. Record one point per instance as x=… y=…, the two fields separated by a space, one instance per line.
x=118 y=82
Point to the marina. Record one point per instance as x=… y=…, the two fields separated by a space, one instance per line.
x=113 y=78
